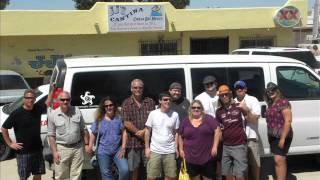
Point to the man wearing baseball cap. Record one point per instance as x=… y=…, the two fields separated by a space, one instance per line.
x=229 y=115
x=240 y=89
x=179 y=103
x=209 y=98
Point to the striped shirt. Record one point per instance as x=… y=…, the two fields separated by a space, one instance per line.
x=137 y=116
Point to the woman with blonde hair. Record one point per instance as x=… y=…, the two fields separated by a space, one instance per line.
x=111 y=141
x=280 y=134
x=199 y=135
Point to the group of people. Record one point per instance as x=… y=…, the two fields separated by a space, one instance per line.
x=216 y=134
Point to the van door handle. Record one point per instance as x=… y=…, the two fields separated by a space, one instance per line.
x=263 y=111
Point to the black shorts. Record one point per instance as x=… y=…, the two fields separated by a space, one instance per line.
x=208 y=169
x=30 y=163
x=274 y=148
x=219 y=153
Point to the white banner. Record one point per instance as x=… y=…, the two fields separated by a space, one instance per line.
x=136 y=18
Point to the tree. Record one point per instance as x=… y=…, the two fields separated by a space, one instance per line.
x=87 y=4
x=3 y=4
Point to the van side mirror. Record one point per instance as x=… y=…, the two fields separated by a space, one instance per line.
x=263 y=111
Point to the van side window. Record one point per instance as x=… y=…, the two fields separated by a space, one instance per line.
x=260 y=53
x=253 y=76
x=116 y=84
x=241 y=52
x=298 y=83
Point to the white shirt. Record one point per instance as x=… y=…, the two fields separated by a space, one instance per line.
x=254 y=106
x=163 y=126
x=210 y=104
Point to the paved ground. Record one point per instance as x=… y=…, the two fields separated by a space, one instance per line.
x=300 y=168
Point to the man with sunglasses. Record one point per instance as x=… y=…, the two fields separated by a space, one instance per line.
x=26 y=122
x=163 y=123
x=209 y=98
x=67 y=136
x=251 y=128
x=135 y=111
x=229 y=115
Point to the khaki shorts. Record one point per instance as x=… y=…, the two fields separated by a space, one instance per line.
x=157 y=162
x=253 y=153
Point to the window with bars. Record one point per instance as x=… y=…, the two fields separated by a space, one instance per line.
x=256 y=42
x=161 y=47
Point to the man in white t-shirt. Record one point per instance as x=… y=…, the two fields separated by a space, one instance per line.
x=162 y=153
x=251 y=128
x=209 y=98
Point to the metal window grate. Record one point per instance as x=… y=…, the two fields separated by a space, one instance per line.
x=256 y=42
x=161 y=47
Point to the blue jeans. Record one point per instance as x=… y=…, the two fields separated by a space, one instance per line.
x=105 y=164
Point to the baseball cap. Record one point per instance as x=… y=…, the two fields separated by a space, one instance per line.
x=209 y=79
x=223 y=89
x=240 y=85
x=175 y=85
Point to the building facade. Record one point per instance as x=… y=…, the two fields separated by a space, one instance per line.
x=32 y=41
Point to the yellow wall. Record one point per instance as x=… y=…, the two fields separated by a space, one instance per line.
x=25 y=35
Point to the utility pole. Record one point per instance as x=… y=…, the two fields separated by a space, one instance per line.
x=315 y=29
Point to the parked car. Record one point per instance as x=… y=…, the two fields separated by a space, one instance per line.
x=12 y=86
x=301 y=54
x=41 y=96
x=90 y=79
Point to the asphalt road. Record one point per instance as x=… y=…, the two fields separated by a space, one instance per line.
x=299 y=168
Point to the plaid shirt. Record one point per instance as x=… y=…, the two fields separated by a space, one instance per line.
x=137 y=116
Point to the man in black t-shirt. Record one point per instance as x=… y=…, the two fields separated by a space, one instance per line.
x=25 y=122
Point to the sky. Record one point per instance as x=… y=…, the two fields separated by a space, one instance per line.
x=194 y=4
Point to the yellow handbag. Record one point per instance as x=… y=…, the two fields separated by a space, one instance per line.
x=183 y=175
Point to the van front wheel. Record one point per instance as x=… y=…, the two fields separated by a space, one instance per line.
x=4 y=150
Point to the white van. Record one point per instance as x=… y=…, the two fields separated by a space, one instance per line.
x=301 y=54
x=90 y=79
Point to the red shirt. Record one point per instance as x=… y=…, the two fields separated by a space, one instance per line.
x=232 y=127
x=275 y=119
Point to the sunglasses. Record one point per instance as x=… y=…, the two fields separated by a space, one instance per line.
x=195 y=107
x=166 y=99
x=270 y=93
x=138 y=87
x=28 y=97
x=63 y=100
x=209 y=84
x=224 y=95
x=108 y=105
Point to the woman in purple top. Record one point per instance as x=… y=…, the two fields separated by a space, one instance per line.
x=279 y=118
x=198 y=142
x=112 y=140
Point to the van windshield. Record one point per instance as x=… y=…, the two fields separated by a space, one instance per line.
x=304 y=56
x=12 y=82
